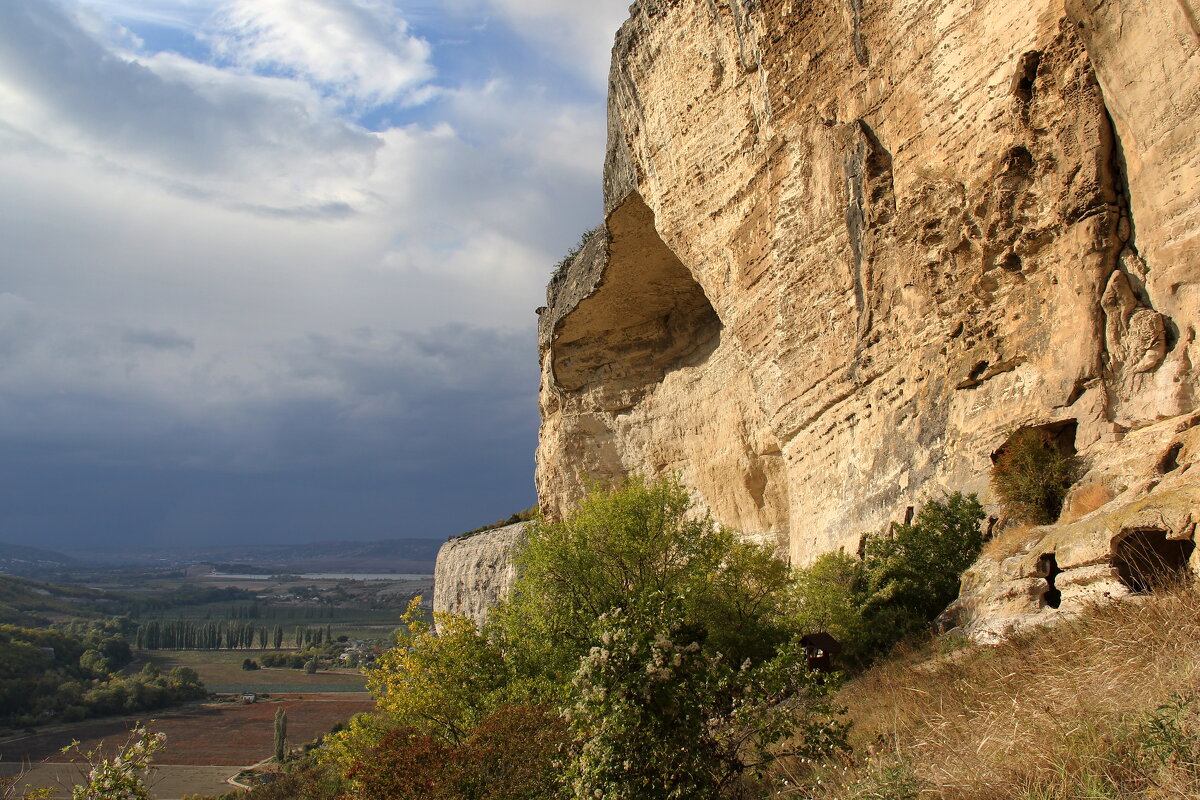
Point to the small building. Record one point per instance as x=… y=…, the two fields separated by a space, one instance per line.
x=249 y=697
x=820 y=649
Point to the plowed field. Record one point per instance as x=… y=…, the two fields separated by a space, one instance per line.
x=201 y=734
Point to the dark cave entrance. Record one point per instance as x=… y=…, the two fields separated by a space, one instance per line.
x=1147 y=561
x=1048 y=568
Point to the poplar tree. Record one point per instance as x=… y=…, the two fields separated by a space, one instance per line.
x=280 y=735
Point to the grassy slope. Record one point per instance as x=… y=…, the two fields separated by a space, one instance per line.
x=1106 y=706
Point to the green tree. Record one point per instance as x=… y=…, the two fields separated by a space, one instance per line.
x=658 y=715
x=441 y=682
x=904 y=580
x=624 y=545
x=830 y=594
x=280 y=735
x=916 y=568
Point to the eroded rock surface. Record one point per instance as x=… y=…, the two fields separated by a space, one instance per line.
x=1143 y=490
x=474 y=572
x=850 y=247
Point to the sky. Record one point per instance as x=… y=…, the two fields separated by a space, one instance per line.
x=269 y=268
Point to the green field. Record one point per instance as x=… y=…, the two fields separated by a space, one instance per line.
x=221 y=671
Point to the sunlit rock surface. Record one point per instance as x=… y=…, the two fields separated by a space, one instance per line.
x=850 y=247
x=473 y=572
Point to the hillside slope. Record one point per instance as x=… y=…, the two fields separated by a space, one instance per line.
x=1106 y=706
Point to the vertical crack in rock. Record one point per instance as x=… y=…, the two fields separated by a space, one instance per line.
x=870 y=205
x=1137 y=338
x=747 y=33
x=860 y=49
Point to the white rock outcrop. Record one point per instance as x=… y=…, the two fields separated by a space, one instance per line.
x=474 y=572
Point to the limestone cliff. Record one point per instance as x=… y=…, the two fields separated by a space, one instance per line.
x=851 y=246
x=473 y=572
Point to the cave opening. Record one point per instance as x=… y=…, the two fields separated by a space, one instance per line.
x=1022 y=86
x=1034 y=468
x=1048 y=568
x=1147 y=561
x=1169 y=462
x=646 y=317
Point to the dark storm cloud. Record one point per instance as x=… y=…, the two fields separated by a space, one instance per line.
x=159 y=340
x=369 y=436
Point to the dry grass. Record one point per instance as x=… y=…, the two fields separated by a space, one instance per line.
x=1084 y=501
x=1008 y=541
x=1107 y=706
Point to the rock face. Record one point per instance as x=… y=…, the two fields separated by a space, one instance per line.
x=473 y=572
x=851 y=247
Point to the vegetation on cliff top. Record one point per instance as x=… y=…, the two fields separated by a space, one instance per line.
x=512 y=519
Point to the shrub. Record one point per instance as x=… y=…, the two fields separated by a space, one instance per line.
x=576 y=249
x=904 y=580
x=658 y=714
x=122 y=777
x=286 y=660
x=1031 y=476
x=441 y=683
x=510 y=755
x=627 y=544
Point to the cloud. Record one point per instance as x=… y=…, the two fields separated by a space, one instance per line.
x=227 y=306
x=361 y=50
x=158 y=340
x=579 y=34
x=170 y=118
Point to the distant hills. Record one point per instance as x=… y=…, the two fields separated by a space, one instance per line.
x=20 y=558
x=388 y=555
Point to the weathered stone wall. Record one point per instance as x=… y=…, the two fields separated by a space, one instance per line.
x=474 y=572
x=851 y=246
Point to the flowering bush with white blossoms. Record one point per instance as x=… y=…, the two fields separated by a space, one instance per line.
x=122 y=777
x=657 y=714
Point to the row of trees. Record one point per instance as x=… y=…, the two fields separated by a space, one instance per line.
x=256 y=611
x=231 y=635
x=273 y=611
